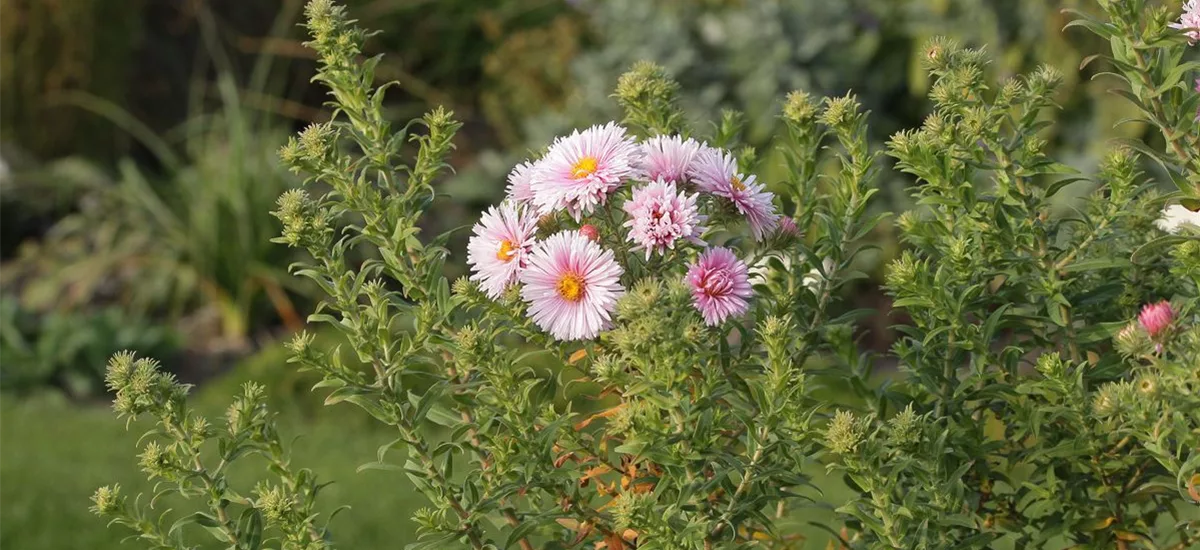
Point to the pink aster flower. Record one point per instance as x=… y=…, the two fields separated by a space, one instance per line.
x=580 y=170
x=500 y=246
x=720 y=285
x=520 y=182
x=572 y=286
x=715 y=171
x=667 y=158
x=1189 y=21
x=659 y=216
x=1155 y=318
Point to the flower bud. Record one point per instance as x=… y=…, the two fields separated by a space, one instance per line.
x=844 y=433
x=1156 y=318
x=108 y=500
x=905 y=428
x=588 y=230
x=799 y=108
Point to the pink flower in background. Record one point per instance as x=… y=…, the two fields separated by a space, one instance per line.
x=667 y=158
x=715 y=172
x=572 y=286
x=500 y=245
x=720 y=285
x=712 y=169
x=520 y=182
x=1155 y=318
x=580 y=170
x=659 y=216
x=1189 y=21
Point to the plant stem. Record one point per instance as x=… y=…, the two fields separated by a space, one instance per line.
x=744 y=485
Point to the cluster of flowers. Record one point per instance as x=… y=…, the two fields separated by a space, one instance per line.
x=1189 y=23
x=569 y=280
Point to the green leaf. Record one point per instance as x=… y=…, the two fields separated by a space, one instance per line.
x=1152 y=249
x=519 y=533
x=249 y=530
x=1096 y=264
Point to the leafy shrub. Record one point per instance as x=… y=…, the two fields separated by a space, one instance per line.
x=699 y=423
x=65 y=350
x=193 y=241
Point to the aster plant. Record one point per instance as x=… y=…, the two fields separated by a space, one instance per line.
x=650 y=349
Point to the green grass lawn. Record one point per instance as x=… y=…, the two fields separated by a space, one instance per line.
x=53 y=455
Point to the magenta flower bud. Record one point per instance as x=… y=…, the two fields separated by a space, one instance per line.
x=588 y=230
x=787 y=227
x=1155 y=318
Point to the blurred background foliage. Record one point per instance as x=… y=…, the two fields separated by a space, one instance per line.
x=138 y=164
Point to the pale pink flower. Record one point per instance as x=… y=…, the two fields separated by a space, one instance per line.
x=520 y=183
x=720 y=285
x=1189 y=21
x=667 y=158
x=500 y=246
x=1155 y=318
x=715 y=171
x=580 y=170
x=572 y=286
x=659 y=216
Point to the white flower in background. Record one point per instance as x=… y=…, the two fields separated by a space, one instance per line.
x=761 y=270
x=1175 y=216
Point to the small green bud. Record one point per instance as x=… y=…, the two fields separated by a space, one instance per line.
x=1051 y=366
x=275 y=505
x=1009 y=94
x=908 y=221
x=939 y=51
x=799 y=108
x=1044 y=82
x=300 y=344
x=903 y=271
x=607 y=369
x=844 y=433
x=693 y=331
x=469 y=341
x=120 y=370
x=840 y=112
x=774 y=328
x=108 y=500
x=463 y=286
x=1187 y=260
x=646 y=84
x=156 y=461
x=905 y=428
x=316 y=140
x=1132 y=341
x=1148 y=385
x=839 y=335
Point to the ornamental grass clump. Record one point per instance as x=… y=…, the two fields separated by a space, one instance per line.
x=651 y=350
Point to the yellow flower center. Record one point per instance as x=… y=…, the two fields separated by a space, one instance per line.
x=505 y=254
x=570 y=287
x=584 y=168
x=737 y=184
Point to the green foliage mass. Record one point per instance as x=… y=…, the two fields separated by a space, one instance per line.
x=1037 y=408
